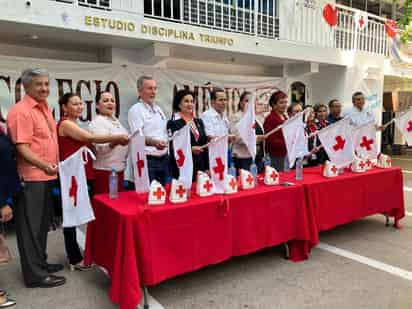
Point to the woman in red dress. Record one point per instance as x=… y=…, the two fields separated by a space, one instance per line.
x=71 y=138
x=275 y=143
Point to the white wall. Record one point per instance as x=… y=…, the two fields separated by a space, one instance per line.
x=48 y=53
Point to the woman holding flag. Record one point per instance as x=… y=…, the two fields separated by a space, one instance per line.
x=183 y=114
x=316 y=120
x=275 y=143
x=241 y=156
x=71 y=138
x=109 y=156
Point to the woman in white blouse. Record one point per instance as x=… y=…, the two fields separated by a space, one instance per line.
x=109 y=156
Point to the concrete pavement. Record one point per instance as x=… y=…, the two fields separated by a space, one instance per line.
x=261 y=280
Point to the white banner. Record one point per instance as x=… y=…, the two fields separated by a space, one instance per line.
x=86 y=79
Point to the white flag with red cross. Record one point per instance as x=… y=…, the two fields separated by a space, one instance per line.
x=139 y=161
x=77 y=209
x=336 y=139
x=364 y=141
x=404 y=124
x=218 y=162
x=183 y=154
x=247 y=127
x=295 y=139
x=360 y=18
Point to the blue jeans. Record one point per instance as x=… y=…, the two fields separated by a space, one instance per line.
x=159 y=169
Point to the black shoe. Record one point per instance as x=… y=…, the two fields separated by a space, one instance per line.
x=48 y=282
x=54 y=268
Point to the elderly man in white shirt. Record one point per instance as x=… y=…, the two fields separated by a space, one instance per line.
x=215 y=120
x=149 y=117
x=359 y=115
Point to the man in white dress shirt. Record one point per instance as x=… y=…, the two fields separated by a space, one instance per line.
x=215 y=120
x=149 y=117
x=359 y=115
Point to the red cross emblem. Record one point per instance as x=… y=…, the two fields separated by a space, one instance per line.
x=361 y=22
x=366 y=143
x=340 y=143
x=180 y=191
x=233 y=183
x=369 y=163
x=73 y=190
x=219 y=168
x=334 y=169
x=409 y=128
x=140 y=165
x=250 y=179
x=274 y=176
x=159 y=193
x=208 y=186
x=180 y=158
x=362 y=165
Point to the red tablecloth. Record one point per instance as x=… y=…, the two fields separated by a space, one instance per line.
x=352 y=196
x=146 y=245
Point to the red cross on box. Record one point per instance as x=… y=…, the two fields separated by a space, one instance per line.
x=250 y=180
x=208 y=186
x=334 y=169
x=233 y=183
x=274 y=176
x=158 y=193
x=369 y=163
x=362 y=165
x=180 y=191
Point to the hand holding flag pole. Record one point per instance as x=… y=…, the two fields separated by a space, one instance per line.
x=215 y=139
x=305 y=114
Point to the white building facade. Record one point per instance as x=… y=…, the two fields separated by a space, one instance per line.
x=263 y=45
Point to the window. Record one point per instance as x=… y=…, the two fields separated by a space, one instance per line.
x=359 y=4
x=100 y=4
x=374 y=7
x=386 y=9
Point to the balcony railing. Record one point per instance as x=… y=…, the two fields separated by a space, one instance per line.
x=372 y=39
x=244 y=16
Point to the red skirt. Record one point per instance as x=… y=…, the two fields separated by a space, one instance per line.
x=101 y=181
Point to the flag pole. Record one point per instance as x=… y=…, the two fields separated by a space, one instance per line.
x=215 y=140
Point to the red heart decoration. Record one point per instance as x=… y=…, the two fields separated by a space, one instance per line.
x=390 y=27
x=330 y=14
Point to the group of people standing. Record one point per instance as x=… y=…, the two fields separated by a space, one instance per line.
x=38 y=144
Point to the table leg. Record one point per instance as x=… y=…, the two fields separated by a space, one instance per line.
x=145 y=298
x=287 y=255
x=387 y=220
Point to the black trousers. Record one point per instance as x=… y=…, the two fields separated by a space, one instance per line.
x=74 y=255
x=33 y=217
x=73 y=252
x=159 y=168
